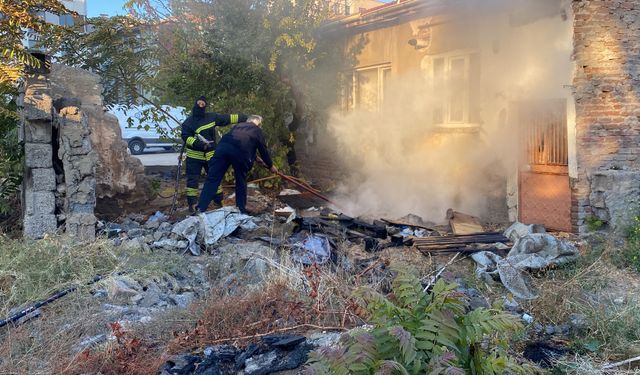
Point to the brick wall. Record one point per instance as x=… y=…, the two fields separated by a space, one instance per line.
x=607 y=94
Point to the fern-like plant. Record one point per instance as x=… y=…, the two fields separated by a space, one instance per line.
x=418 y=333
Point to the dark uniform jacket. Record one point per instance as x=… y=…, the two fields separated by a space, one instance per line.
x=204 y=124
x=242 y=141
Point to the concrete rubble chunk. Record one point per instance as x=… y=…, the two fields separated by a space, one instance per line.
x=38 y=132
x=43 y=179
x=37 y=106
x=38 y=155
x=36 y=226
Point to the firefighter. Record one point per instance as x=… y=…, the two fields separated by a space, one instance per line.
x=238 y=149
x=199 y=135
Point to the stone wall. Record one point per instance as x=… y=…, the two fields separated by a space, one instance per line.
x=120 y=179
x=39 y=183
x=607 y=96
x=59 y=185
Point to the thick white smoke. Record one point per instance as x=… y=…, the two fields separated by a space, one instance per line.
x=400 y=162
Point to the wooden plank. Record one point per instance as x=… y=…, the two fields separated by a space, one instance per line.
x=462 y=224
x=404 y=224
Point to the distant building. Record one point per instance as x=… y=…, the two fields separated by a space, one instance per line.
x=78 y=6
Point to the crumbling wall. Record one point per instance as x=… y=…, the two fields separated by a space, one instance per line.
x=607 y=96
x=79 y=165
x=120 y=178
x=39 y=183
x=59 y=185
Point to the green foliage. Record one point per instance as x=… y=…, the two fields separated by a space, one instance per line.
x=10 y=154
x=594 y=223
x=420 y=333
x=119 y=49
x=19 y=17
x=629 y=255
x=245 y=56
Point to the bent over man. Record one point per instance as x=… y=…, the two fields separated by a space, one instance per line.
x=199 y=135
x=237 y=148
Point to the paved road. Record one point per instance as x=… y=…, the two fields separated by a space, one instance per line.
x=160 y=158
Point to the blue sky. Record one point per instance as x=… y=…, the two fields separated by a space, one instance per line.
x=110 y=7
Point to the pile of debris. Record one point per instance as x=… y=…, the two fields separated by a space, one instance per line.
x=274 y=353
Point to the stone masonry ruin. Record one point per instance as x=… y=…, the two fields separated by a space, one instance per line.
x=76 y=164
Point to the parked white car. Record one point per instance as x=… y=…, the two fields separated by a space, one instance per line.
x=143 y=127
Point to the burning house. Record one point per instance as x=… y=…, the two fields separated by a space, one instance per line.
x=521 y=110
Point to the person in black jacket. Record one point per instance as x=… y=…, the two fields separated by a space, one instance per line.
x=237 y=148
x=199 y=135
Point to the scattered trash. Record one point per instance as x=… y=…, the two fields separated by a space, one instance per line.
x=530 y=251
x=527 y=318
x=312 y=250
x=287 y=212
x=208 y=228
x=159 y=217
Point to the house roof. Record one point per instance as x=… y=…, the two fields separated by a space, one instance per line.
x=385 y=15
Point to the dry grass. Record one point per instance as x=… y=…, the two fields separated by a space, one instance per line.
x=589 y=287
x=33 y=347
x=32 y=270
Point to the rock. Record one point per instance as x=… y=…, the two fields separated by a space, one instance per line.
x=255 y=271
x=159 y=235
x=90 y=342
x=152 y=295
x=324 y=339
x=183 y=364
x=249 y=351
x=260 y=364
x=183 y=300
x=283 y=341
x=233 y=257
x=511 y=305
x=619 y=301
x=151 y=225
x=122 y=288
x=120 y=178
x=136 y=232
x=578 y=321
x=133 y=245
x=135 y=299
x=549 y=329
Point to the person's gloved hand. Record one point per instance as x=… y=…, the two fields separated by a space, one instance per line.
x=206 y=146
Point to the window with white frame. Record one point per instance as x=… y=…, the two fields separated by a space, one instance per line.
x=366 y=88
x=451 y=88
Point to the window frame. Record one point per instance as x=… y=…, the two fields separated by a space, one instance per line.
x=351 y=92
x=446 y=102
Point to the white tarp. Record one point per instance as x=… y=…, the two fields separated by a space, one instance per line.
x=532 y=249
x=209 y=227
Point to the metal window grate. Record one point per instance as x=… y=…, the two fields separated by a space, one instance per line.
x=543 y=129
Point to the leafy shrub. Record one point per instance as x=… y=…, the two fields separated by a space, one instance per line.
x=629 y=255
x=594 y=223
x=418 y=333
x=10 y=154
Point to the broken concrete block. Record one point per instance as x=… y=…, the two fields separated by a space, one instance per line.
x=40 y=202
x=43 y=179
x=36 y=226
x=38 y=131
x=38 y=107
x=38 y=155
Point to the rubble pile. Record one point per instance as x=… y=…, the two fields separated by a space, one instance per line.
x=272 y=354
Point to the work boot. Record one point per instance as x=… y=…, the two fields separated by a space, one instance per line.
x=192 y=202
x=217 y=200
